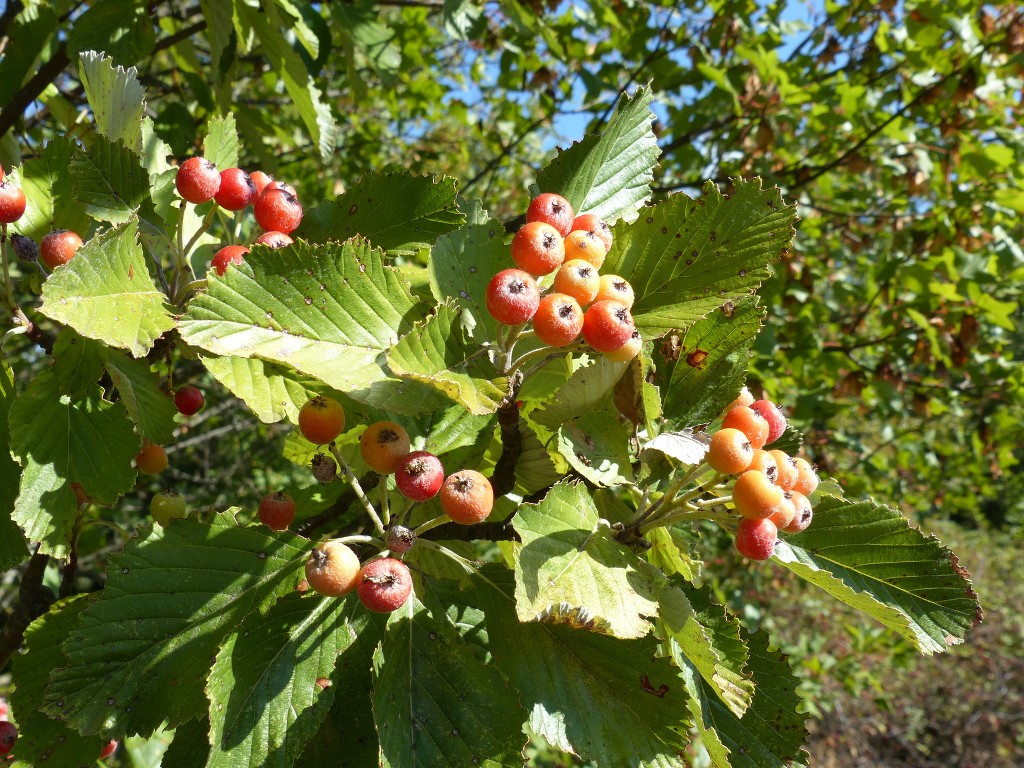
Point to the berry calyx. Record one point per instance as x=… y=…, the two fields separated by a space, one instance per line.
x=607 y=325
x=467 y=497
x=12 y=202
x=730 y=452
x=383 y=445
x=276 y=510
x=278 y=210
x=57 y=247
x=151 y=460
x=583 y=245
x=512 y=297
x=400 y=539
x=8 y=735
x=108 y=749
x=189 y=400
x=558 y=320
x=589 y=222
x=384 y=585
x=324 y=468
x=419 y=475
x=197 y=180
x=551 y=209
x=166 y=506
x=750 y=422
x=755 y=539
x=627 y=351
x=236 y=190
x=274 y=240
x=321 y=420
x=578 y=278
x=229 y=254
x=615 y=288
x=332 y=569
x=537 y=248
x=755 y=496
x=771 y=413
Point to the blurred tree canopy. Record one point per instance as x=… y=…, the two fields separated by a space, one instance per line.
x=893 y=324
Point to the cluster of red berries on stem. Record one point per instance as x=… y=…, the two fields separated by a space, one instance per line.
x=384 y=583
x=581 y=300
x=772 y=488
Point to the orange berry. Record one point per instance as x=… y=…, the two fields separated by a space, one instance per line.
x=784 y=515
x=615 y=288
x=627 y=351
x=749 y=422
x=755 y=496
x=537 y=248
x=730 y=451
x=806 y=477
x=382 y=445
x=151 y=460
x=763 y=461
x=467 y=497
x=607 y=325
x=321 y=420
x=787 y=471
x=583 y=245
x=744 y=398
x=804 y=513
x=558 y=320
x=578 y=278
x=589 y=222
x=774 y=416
x=332 y=569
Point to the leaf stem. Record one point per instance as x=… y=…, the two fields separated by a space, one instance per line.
x=434 y=523
x=385 y=508
x=353 y=481
x=362 y=539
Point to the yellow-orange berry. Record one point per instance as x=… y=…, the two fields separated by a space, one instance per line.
x=755 y=496
x=615 y=288
x=332 y=569
x=321 y=420
x=467 y=497
x=749 y=422
x=787 y=471
x=627 y=351
x=806 y=477
x=763 y=461
x=730 y=451
x=151 y=460
x=586 y=246
x=804 y=513
x=784 y=515
x=578 y=278
x=383 y=445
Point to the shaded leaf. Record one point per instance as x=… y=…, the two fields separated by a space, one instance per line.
x=122 y=29
x=152 y=409
x=272 y=391
x=50 y=201
x=587 y=388
x=110 y=180
x=596 y=446
x=12 y=543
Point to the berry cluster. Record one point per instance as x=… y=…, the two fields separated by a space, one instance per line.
x=581 y=300
x=772 y=488
x=54 y=250
x=384 y=583
x=275 y=205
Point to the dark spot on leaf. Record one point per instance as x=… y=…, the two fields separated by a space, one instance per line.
x=353 y=209
x=696 y=357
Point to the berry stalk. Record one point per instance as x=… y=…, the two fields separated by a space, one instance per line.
x=353 y=481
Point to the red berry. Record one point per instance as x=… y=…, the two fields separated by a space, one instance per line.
x=552 y=209
x=383 y=445
x=588 y=222
x=12 y=202
x=755 y=539
x=197 y=180
x=229 y=254
x=189 y=400
x=419 y=475
x=558 y=320
x=236 y=189
x=274 y=184
x=321 y=420
x=151 y=460
x=278 y=210
x=260 y=180
x=8 y=735
x=332 y=569
x=537 y=248
x=607 y=325
x=276 y=510
x=512 y=297
x=384 y=585
x=467 y=497
x=58 y=247
x=773 y=415
x=274 y=240
x=108 y=749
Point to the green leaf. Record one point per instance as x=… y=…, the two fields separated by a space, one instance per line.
x=77 y=362
x=221 y=145
x=436 y=704
x=596 y=446
x=171 y=599
x=868 y=556
x=587 y=388
x=106 y=293
x=604 y=699
x=436 y=353
x=56 y=442
x=394 y=211
x=51 y=203
x=31 y=29
x=190 y=746
x=109 y=178
x=535 y=470
x=570 y=570
x=770 y=734
x=685 y=258
x=122 y=29
x=462 y=264
x=700 y=370
x=673 y=553
x=218 y=15
x=118 y=101
x=273 y=392
x=686 y=447
x=609 y=175
x=268 y=688
x=12 y=543
x=42 y=741
x=327 y=311
x=151 y=408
